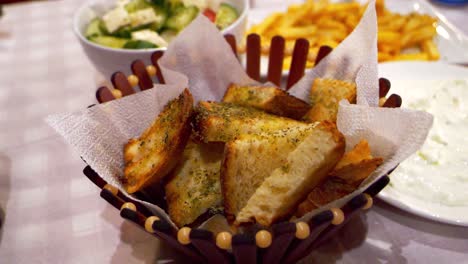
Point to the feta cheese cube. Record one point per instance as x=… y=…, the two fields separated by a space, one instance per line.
x=143 y=17
x=201 y=4
x=150 y=36
x=115 y=19
x=214 y=5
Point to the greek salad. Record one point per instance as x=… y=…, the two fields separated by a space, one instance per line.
x=146 y=24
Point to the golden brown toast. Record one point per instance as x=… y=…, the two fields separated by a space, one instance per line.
x=355 y=166
x=305 y=167
x=330 y=190
x=155 y=153
x=194 y=186
x=325 y=96
x=268 y=98
x=221 y=122
x=250 y=158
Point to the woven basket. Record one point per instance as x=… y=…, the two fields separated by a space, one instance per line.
x=284 y=242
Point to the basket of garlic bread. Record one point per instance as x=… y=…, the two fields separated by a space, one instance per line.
x=225 y=164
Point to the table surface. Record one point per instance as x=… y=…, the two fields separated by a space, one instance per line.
x=53 y=214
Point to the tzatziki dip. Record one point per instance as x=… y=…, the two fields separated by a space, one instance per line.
x=438 y=172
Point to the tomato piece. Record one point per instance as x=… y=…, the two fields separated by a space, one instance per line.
x=210 y=14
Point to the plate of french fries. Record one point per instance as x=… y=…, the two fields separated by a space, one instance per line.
x=407 y=30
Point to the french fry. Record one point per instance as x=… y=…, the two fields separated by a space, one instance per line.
x=382 y=56
x=329 y=42
x=287 y=62
x=380 y=7
x=416 y=21
x=351 y=22
x=312 y=54
x=337 y=35
x=419 y=35
x=294 y=8
x=297 y=32
x=297 y=16
x=389 y=48
x=412 y=56
x=411 y=24
x=266 y=24
x=430 y=48
x=289 y=47
x=309 y=63
x=384 y=20
x=388 y=37
x=343 y=7
x=395 y=25
x=331 y=24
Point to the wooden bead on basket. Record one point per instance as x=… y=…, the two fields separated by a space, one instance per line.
x=151 y=70
x=111 y=189
x=224 y=240
x=149 y=222
x=338 y=216
x=129 y=206
x=263 y=239
x=302 y=230
x=116 y=93
x=369 y=202
x=183 y=235
x=133 y=80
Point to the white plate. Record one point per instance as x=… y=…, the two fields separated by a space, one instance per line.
x=457 y=215
x=452 y=43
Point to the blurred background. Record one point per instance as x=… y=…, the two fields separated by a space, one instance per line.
x=51 y=213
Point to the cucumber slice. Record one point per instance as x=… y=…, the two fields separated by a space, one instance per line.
x=181 y=17
x=111 y=42
x=160 y=3
x=175 y=3
x=162 y=14
x=139 y=44
x=136 y=5
x=123 y=32
x=103 y=27
x=226 y=15
x=94 y=29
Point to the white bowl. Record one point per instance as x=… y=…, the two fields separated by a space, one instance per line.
x=110 y=60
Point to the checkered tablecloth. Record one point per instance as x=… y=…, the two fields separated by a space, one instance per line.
x=54 y=214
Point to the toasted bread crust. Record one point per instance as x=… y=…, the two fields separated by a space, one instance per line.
x=194 y=185
x=151 y=157
x=307 y=166
x=359 y=171
x=325 y=96
x=330 y=190
x=221 y=122
x=250 y=158
x=355 y=166
x=227 y=181
x=268 y=98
